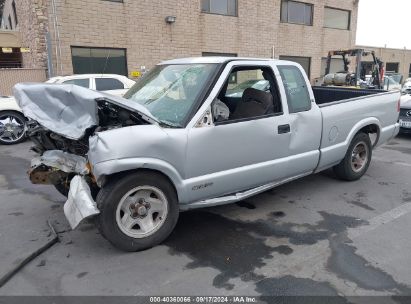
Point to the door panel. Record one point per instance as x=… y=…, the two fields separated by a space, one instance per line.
x=232 y=157
x=305 y=120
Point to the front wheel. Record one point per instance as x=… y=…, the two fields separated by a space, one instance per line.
x=138 y=211
x=356 y=160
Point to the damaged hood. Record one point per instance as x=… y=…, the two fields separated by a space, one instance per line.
x=66 y=109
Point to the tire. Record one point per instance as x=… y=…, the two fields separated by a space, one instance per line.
x=137 y=211
x=11 y=122
x=356 y=160
x=63 y=189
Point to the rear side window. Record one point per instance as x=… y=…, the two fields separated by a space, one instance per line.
x=107 y=84
x=84 y=82
x=295 y=86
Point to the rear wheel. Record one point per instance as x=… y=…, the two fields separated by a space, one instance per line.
x=138 y=211
x=12 y=128
x=356 y=160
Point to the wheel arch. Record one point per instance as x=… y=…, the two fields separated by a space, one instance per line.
x=121 y=174
x=371 y=129
x=15 y=112
x=108 y=170
x=370 y=125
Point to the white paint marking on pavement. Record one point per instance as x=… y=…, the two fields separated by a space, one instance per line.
x=379 y=220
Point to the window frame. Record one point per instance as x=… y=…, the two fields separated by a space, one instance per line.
x=291 y=109
x=254 y=67
x=305 y=3
x=218 y=14
x=339 y=9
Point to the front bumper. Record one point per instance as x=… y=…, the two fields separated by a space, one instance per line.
x=80 y=204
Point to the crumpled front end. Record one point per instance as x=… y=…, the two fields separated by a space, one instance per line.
x=62 y=120
x=56 y=167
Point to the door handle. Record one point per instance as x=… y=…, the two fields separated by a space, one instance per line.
x=283 y=129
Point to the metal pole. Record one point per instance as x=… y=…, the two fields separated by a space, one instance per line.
x=50 y=71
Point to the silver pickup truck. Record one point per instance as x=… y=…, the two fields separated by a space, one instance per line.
x=195 y=133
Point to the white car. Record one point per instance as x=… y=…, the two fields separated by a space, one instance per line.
x=406 y=88
x=109 y=83
x=12 y=120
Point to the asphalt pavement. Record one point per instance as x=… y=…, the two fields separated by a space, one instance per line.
x=314 y=236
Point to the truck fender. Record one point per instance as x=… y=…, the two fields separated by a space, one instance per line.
x=361 y=125
x=110 y=167
x=332 y=155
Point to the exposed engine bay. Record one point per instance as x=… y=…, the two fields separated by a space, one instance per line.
x=61 y=159
x=110 y=116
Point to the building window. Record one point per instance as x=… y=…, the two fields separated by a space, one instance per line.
x=296 y=12
x=337 y=18
x=215 y=54
x=11 y=60
x=305 y=62
x=10 y=23
x=99 y=60
x=220 y=7
x=392 y=67
x=13 y=6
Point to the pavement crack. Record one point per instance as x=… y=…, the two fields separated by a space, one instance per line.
x=12 y=272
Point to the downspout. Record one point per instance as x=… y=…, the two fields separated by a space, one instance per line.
x=57 y=37
x=50 y=71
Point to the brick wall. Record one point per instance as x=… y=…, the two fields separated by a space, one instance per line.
x=139 y=27
x=10 y=77
x=32 y=24
x=401 y=56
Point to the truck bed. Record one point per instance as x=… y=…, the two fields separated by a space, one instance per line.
x=325 y=95
x=345 y=111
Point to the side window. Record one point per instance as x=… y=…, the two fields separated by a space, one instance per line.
x=249 y=92
x=84 y=82
x=298 y=97
x=107 y=84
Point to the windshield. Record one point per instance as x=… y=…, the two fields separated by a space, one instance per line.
x=169 y=92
